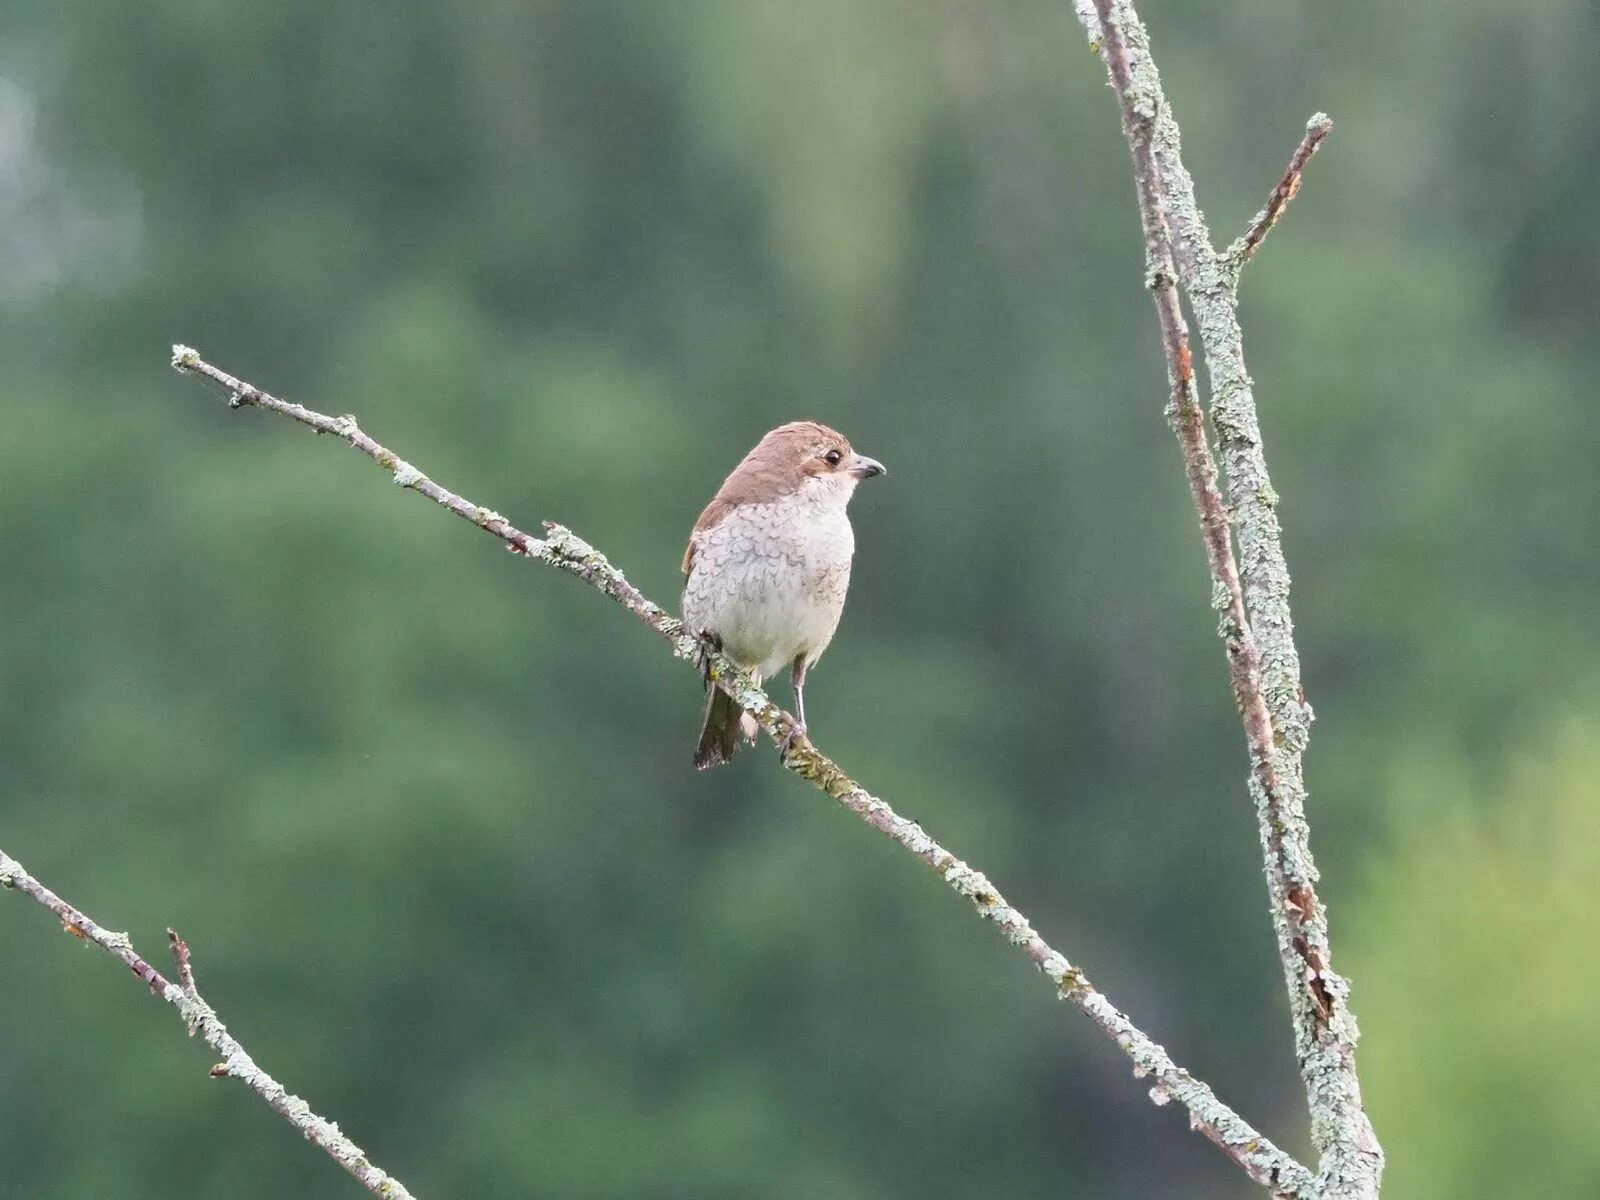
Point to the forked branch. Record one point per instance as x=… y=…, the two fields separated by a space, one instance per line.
x=202 y=1019
x=1252 y=592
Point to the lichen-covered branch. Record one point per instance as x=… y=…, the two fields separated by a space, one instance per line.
x=1264 y=664
x=202 y=1020
x=1243 y=250
x=562 y=549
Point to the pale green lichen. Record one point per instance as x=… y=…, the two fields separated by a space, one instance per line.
x=1351 y=1160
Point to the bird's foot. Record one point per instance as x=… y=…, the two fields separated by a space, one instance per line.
x=795 y=734
x=709 y=644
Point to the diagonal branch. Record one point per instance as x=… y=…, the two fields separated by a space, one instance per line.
x=1243 y=250
x=202 y=1019
x=560 y=548
x=1263 y=662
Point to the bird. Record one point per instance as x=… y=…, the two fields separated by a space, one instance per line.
x=767 y=567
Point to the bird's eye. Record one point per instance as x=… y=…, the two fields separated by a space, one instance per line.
x=832 y=458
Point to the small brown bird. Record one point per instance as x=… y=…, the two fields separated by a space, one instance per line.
x=767 y=567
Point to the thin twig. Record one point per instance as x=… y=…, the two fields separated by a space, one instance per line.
x=180 y=955
x=1264 y=665
x=1243 y=250
x=202 y=1019
x=562 y=549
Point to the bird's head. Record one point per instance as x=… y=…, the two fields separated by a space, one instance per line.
x=807 y=458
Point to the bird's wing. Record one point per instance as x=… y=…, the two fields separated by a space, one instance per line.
x=719 y=507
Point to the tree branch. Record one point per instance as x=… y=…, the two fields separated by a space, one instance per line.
x=203 y=1020
x=560 y=548
x=1264 y=665
x=1243 y=250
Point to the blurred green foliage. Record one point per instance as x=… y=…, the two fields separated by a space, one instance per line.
x=1473 y=944
x=426 y=814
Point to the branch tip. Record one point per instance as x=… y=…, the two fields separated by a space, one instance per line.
x=1243 y=250
x=180 y=955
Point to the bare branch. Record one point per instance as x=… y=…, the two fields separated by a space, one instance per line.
x=1264 y=665
x=560 y=548
x=180 y=955
x=202 y=1019
x=1243 y=250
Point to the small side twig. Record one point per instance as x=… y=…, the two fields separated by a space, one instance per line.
x=1243 y=250
x=560 y=548
x=201 y=1018
x=180 y=955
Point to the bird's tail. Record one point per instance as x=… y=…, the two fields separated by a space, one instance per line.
x=724 y=723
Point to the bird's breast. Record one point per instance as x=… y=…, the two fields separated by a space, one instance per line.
x=770 y=580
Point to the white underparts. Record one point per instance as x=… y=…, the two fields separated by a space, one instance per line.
x=769 y=579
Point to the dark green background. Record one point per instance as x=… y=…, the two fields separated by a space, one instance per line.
x=425 y=812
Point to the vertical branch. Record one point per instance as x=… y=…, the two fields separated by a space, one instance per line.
x=1256 y=626
x=1183 y=405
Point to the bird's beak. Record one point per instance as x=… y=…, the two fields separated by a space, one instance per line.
x=863 y=467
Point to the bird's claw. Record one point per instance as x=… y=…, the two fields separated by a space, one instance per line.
x=708 y=644
x=786 y=744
